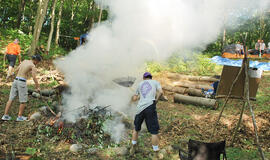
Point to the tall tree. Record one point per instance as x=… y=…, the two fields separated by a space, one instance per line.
x=59 y=23
x=20 y=15
x=41 y=12
x=52 y=26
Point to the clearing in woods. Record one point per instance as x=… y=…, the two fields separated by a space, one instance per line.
x=177 y=121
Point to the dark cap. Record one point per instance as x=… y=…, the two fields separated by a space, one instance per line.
x=37 y=57
x=147 y=75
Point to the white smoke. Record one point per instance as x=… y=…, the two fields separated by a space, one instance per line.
x=137 y=31
x=115 y=129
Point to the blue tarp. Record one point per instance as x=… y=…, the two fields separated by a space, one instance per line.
x=238 y=63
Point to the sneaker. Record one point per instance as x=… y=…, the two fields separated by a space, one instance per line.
x=6 y=118
x=21 y=118
x=133 y=149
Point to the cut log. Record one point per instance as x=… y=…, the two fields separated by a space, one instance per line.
x=46 y=92
x=178 y=98
x=176 y=76
x=179 y=90
x=192 y=85
x=195 y=92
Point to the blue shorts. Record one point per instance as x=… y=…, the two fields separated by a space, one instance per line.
x=149 y=114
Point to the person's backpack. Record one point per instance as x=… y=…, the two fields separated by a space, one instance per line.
x=203 y=151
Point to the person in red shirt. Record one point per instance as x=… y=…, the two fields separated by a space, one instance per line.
x=13 y=50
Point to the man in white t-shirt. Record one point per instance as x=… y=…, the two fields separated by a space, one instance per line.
x=148 y=93
x=238 y=48
x=268 y=45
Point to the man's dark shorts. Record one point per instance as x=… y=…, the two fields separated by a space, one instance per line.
x=11 y=59
x=149 y=114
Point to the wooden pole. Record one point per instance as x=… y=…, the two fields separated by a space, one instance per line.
x=239 y=122
x=226 y=100
x=251 y=109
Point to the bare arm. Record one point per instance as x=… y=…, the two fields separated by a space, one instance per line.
x=135 y=98
x=159 y=94
x=34 y=73
x=20 y=58
x=5 y=54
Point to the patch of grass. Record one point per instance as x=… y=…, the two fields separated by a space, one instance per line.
x=5 y=91
x=239 y=154
x=31 y=151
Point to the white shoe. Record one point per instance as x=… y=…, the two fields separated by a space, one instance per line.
x=21 y=118
x=6 y=118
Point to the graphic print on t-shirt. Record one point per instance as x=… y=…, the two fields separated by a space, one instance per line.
x=145 y=88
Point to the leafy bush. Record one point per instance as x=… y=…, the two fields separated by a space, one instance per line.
x=155 y=67
x=195 y=64
x=25 y=43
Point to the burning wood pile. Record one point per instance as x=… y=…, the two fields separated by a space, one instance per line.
x=89 y=129
x=188 y=89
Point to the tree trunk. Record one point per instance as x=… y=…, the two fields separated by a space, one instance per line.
x=59 y=23
x=92 y=17
x=72 y=10
x=178 y=98
x=41 y=12
x=100 y=13
x=224 y=38
x=21 y=10
x=52 y=26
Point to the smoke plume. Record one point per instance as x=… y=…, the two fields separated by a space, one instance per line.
x=137 y=31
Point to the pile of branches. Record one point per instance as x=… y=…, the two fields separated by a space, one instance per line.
x=87 y=130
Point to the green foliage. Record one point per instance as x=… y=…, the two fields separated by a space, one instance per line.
x=25 y=43
x=31 y=151
x=11 y=34
x=252 y=26
x=154 y=67
x=85 y=14
x=198 y=64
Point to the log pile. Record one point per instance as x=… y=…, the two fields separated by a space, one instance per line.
x=188 y=89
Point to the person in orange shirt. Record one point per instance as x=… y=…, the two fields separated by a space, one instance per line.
x=13 y=50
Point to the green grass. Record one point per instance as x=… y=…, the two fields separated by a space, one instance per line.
x=239 y=154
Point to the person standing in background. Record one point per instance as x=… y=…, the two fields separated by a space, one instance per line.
x=242 y=51
x=238 y=48
x=262 y=48
x=257 y=47
x=13 y=50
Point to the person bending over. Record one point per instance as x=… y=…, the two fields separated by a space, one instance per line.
x=19 y=86
x=148 y=94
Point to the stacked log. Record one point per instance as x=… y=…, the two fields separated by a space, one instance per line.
x=191 y=78
x=188 y=89
x=178 y=98
x=183 y=90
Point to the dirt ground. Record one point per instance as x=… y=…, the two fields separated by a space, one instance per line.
x=178 y=122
